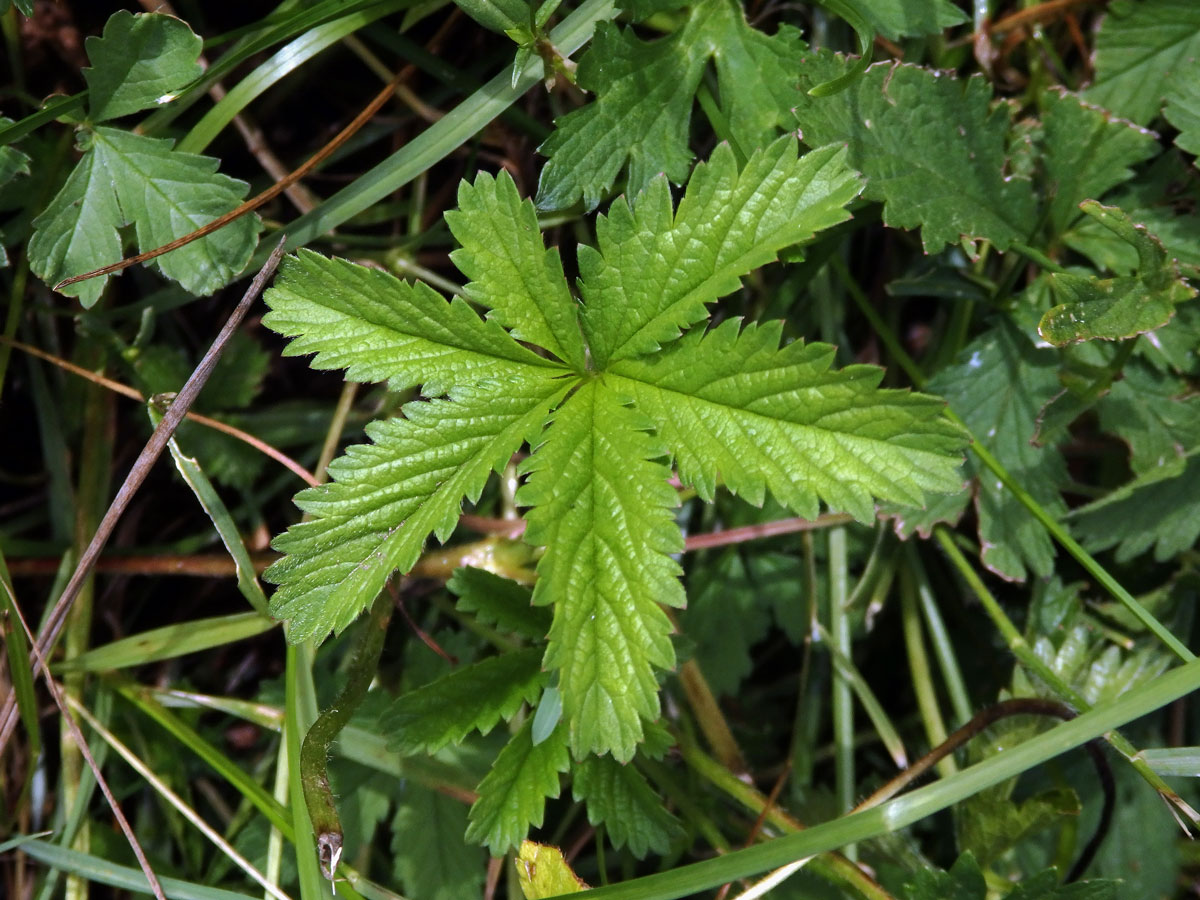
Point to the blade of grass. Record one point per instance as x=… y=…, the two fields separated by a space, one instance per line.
x=943 y=647
x=153 y=449
x=301 y=712
x=214 y=508
x=915 y=806
x=16 y=647
x=286 y=60
x=101 y=871
x=233 y=774
x=61 y=700
x=169 y=642
x=176 y=801
x=445 y=136
x=918 y=667
x=842 y=696
x=882 y=723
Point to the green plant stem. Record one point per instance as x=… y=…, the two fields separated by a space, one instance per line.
x=1025 y=655
x=843 y=694
x=1023 y=497
x=1038 y=257
x=922 y=676
x=314 y=753
x=943 y=646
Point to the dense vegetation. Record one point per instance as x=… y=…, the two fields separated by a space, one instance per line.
x=741 y=403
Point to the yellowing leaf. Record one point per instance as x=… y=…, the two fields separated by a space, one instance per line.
x=542 y=872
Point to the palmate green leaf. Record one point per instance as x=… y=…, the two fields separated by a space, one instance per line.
x=963 y=881
x=1142 y=50
x=1116 y=308
x=597 y=480
x=138 y=62
x=644 y=95
x=512 y=796
x=656 y=268
x=470 y=698
x=1086 y=152
x=933 y=149
x=511 y=271
x=388 y=496
x=500 y=602
x=601 y=507
x=619 y=797
x=736 y=407
x=998 y=385
x=379 y=328
x=130 y=179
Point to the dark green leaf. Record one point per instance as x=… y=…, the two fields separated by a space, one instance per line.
x=500 y=602
x=470 y=698
x=933 y=148
x=620 y=798
x=429 y=855
x=644 y=93
x=1151 y=511
x=1141 y=50
x=990 y=825
x=895 y=19
x=998 y=385
x=1116 y=308
x=513 y=794
x=1086 y=153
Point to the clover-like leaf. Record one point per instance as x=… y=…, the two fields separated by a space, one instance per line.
x=130 y=179
x=138 y=62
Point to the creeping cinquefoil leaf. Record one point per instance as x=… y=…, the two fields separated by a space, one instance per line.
x=621 y=399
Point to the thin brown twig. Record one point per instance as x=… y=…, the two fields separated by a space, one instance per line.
x=1042 y=12
x=86 y=752
x=216 y=424
x=133 y=481
x=216 y=565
